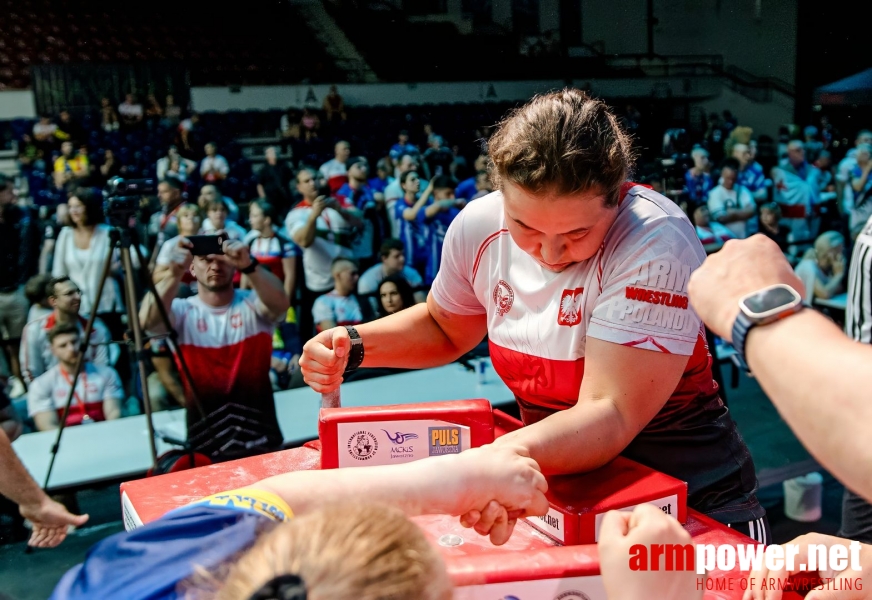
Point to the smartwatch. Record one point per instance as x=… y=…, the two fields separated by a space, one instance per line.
x=250 y=268
x=355 y=356
x=761 y=308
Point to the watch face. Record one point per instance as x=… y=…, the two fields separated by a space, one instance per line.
x=771 y=299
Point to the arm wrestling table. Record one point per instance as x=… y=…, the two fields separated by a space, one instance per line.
x=115 y=450
x=530 y=566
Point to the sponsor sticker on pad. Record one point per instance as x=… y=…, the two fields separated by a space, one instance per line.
x=395 y=442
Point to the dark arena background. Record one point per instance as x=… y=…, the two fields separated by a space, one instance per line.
x=236 y=105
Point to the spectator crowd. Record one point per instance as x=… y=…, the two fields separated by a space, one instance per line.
x=811 y=205
x=312 y=241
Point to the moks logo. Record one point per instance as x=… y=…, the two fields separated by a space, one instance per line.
x=569 y=313
x=400 y=438
x=504 y=296
x=444 y=440
x=362 y=445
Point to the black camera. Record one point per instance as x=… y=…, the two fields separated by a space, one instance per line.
x=122 y=199
x=118 y=186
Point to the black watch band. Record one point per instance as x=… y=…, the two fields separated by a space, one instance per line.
x=741 y=326
x=250 y=268
x=355 y=356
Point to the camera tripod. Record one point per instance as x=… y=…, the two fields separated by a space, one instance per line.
x=123 y=239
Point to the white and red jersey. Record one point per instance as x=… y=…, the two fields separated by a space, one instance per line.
x=96 y=383
x=271 y=251
x=714 y=233
x=35 y=353
x=333 y=239
x=632 y=292
x=336 y=174
x=342 y=310
x=227 y=350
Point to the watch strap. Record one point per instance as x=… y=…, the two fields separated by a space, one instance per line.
x=744 y=324
x=355 y=355
x=250 y=268
x=741 y=326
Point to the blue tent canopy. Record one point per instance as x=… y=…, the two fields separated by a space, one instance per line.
x=856 y=89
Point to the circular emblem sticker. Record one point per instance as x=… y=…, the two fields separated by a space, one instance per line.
x=573 y=595
x=362 y=445
x=504 y=296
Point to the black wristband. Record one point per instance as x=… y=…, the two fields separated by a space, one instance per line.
x=250 y=268
x=355 y=355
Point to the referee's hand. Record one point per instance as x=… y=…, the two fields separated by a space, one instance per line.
x=324 y=359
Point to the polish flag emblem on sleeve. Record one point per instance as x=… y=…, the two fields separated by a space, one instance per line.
x=570 y=307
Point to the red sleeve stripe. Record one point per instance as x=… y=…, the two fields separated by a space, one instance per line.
x=645 y=340
x=482 y=248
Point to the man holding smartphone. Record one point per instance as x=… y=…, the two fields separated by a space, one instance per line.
x=225 y=335
x=324 y=228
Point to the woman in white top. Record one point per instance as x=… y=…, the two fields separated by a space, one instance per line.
x=822 y=269
x=80 y=253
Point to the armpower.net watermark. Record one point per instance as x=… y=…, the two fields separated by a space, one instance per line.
x=709 y=559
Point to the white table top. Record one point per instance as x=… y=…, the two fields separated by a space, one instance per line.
x=95 y=452
x=120 y=448
x=839 y=302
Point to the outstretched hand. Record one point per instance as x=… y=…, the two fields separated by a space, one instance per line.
x=51 y=521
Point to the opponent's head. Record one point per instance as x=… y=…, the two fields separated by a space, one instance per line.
x=358 y=551
x=560 y=161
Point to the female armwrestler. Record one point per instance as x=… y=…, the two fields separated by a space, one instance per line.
x=579 y=279
x=237 y=544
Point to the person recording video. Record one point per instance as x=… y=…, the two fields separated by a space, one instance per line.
x=228 y=332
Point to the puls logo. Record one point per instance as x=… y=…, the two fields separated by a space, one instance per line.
x=362 y=445
x=400 y=438
x=444 y=440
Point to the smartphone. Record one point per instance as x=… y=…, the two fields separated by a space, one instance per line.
x=203 y=245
